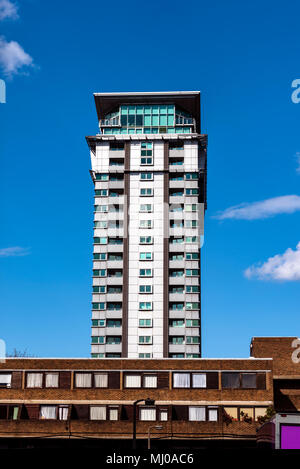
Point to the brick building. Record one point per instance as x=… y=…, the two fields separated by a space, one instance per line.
x=197 y=402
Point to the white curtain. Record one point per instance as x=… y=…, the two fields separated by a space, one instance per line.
x=113 y=414
x=163 y=415
x=101 y=380
x=132 y=381
x=197 y=414
x=97 y=413
x=147 y=414
x=5 y=380
x=213 y=415
x=63 y=412
x=83 y=380
x=48 y=412
x=51 y=380
x=34 y=380
x=150 y=381
x=181 y=380
x=199 y=380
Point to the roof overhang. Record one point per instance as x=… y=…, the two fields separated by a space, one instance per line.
x=188 y=101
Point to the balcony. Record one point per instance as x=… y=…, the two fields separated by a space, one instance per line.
x=117 y=153
x=176 y=152
x=113 y=348
x=119 y=184
x=114 y=232
x=174 y=264
x=176 y=314
x=111 y=122
x=178 y=348
x=114 y=248
x=177 y=199
x=114 y=280
x=115 y=199
x=176 y=184
x=176 y=280
x=113 y=330
x=176 y=296
x=114 y=297
x=111 y=264
x=175 y=247
x=175 y=331
x=192 y=332
x=113 y=315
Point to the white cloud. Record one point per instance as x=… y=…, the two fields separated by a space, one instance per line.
x=282 y=267
x=13 y=57
x=14 y=251
x=262 y=209
x=8 y=10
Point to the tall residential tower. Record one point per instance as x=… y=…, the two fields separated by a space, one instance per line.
x=149 y=172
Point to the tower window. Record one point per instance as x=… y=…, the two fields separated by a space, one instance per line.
x=145 y=306
x=146 y=153
x=146 y=176
x=145 y=272
x=146 y=240
x=145 y=339
x=145 y=322
x=146 y=256
x=146 y=192
x=145 y=289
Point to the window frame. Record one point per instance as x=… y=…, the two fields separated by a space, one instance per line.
x=145 y=243
x=148 y=222
x=94 y=381
x=146 y=325
x=146 y=303
x=146 y=253
x=35 y=373
x=144 y=407
x=145 y=343
x=146 y=276
x=146 y=292
x=146 y=178
x=97 y=420
x=148 y=189
x=83 y=373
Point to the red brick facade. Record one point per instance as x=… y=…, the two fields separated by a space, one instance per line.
x=232 y=402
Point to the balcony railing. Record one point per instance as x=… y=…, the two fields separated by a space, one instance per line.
x=114 y=121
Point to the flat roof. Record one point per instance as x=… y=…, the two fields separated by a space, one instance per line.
x=188 y=101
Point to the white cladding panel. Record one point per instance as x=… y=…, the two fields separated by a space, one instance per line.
x=100 y=161
x=135 y=264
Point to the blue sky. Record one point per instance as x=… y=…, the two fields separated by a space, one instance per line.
x=243 y=58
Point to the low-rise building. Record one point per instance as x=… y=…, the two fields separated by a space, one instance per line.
x=196 y=402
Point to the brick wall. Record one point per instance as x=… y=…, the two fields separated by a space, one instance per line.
x=281 y=351
x=286 y=370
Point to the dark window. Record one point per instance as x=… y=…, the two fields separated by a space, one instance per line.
x=230 y=380
x=116 y=146
x=113 y=323
x=113 y=339
x=139 y=120
x=131 y=120
x=249 y=380
x=3 y=412
x=124 y=121
x=176 y=145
